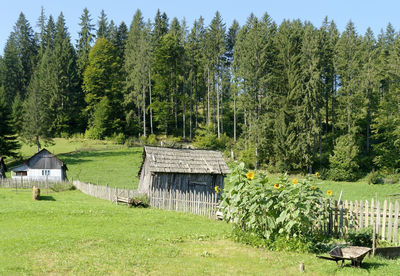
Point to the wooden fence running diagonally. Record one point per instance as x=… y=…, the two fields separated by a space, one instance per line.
x=361 y=214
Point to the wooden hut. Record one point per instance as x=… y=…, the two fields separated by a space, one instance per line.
x=181 y=169
x=3 y=168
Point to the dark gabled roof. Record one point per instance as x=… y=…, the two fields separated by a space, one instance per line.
x=170 y=160
x=43 y=160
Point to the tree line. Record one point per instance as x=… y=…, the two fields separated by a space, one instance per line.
x=289 y=96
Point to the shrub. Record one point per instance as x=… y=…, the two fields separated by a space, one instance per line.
x=152 y=140
x=269 y=210
x=61 y=187
x=117 y=138
x=362 y=237
x=374 y=177
x=131 y=142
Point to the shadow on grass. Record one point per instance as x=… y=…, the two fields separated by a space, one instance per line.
x=47 y=198
x=365 y=266
x=79 y=157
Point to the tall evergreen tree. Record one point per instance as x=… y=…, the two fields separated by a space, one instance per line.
x=102 y=79
x=84 y=43
x=103 y=30
x=8 y=138
x=137 y=67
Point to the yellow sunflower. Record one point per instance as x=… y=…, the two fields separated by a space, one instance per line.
x=216 y=189
x=329 y=192
x=313 y=187
x=317 y=174
x=276 y=186
x=250 y=175
x=295 y=181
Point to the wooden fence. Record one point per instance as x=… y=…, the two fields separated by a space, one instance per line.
x=362 y=214
x=104 y=192
x=191 y=202
x=199 y=203
x=28 y=184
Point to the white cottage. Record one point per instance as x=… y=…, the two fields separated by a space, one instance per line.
x=43 y=166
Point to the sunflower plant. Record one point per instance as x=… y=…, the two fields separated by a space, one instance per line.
x=288 y=207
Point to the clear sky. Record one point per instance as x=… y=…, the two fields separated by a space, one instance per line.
x=367 y=13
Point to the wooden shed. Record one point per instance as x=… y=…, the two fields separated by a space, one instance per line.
x=3 y=168
x=181 y=169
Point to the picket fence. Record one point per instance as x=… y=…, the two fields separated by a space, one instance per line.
x=348 y=215
x=28 y=184
x=104 y=192
x=199 y=203
x=190 y=202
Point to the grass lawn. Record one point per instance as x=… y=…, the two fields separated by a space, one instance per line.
x=108 y=164
x=70 y=233
x=116 y=168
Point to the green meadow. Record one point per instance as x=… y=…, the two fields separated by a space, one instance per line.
x=69 y=233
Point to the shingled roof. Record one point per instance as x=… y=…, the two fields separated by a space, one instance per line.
x=170 y=160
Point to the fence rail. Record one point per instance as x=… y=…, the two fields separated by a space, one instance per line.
x=199 y=203
x=348 y=215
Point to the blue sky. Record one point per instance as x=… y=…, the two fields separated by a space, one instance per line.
x=367 y=13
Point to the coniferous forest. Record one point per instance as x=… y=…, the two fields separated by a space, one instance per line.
x=290 y=97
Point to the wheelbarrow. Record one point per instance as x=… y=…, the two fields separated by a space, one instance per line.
x=353 y=253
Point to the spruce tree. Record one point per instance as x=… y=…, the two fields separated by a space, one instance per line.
x=102 y=79
x=8 y=137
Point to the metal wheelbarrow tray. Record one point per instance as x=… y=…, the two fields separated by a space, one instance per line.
x=353 y=253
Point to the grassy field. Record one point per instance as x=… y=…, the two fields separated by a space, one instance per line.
x=69 y=233
x=117 y=166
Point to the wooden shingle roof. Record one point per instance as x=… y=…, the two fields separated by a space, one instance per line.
x=170 y=160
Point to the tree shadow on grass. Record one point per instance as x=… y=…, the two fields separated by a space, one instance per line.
x=79 y=157
x=47 y=198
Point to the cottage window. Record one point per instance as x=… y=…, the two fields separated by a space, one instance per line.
x=22 y=173
x=45 y=172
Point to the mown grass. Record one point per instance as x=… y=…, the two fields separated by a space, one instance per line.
x=116 y=168
x=70 y=233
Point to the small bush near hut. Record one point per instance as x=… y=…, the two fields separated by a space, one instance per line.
x=374 y=177
x=285 y=210
x=362 y=237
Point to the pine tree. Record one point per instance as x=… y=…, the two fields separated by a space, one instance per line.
x=103 y=30
x=37 y=120
x=27 y=49
x=13 y=70
x=137 y=67
x=84 y=42
x=102 y=78
x=8 y=138
x=65 y=99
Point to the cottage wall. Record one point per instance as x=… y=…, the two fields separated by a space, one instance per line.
x=36 y=174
